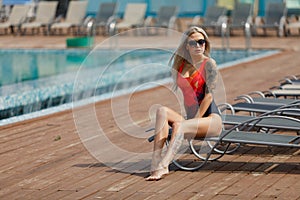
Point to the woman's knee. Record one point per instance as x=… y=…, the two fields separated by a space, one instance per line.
x=162 y=112
x=177 y=126
x=215 y=127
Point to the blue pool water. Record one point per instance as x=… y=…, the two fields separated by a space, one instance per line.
x=35 y=79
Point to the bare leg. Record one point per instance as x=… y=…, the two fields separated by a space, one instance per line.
x=164 y=116
x=211 y=125
x=161 y=134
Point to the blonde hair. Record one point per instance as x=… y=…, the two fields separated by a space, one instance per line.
x=182 y=55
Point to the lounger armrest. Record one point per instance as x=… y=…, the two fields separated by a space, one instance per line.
x=275 y=87
x=268 y=93
x=224 y=106
x=245 y=97
x=292 y=77
x=261 y=94
x=285 y=81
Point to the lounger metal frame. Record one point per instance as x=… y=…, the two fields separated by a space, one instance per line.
x=283 y=93
x=234 y=135
x=262 y=99
x=292 y=110
x=292 y=79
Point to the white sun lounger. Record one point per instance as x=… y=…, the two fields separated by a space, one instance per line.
x=74 y=18
x=16 y=18
x=134 y=16
x=44 y=17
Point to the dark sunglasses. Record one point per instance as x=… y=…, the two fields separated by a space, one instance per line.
x=193 y=43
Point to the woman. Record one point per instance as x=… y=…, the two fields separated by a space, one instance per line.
x=195 y=73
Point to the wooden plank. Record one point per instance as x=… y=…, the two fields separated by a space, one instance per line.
x=285 y=183
x=292 y=191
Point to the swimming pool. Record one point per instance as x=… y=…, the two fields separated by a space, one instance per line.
x=36 y=79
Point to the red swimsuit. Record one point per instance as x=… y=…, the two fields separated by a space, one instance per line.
x=192 y=87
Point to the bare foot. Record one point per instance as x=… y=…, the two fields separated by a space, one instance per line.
x=158 y=174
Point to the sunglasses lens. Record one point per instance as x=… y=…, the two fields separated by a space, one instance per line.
x=201 y=42
x=193 y=43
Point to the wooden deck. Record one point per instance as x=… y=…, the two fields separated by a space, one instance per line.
x=44 y=158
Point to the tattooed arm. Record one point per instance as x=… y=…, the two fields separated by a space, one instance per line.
x=211 y=76
x=211 y=79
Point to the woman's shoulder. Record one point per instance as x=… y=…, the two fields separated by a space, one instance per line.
x=210 y=64
x=211 y=61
